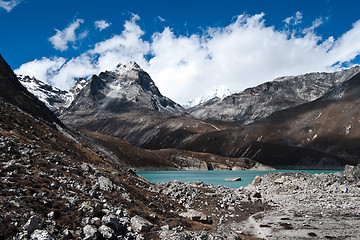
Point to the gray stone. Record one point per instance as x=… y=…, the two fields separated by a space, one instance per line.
x=105 y=184
x=234 y=179
x=166 y=228
x=106 y=232
x=279 y=180
x=256 y=181
x=89 y=231
x=40 y=235
x=113 y=222
x=139 y=224
x=352 y=173
x=51 y=214
x=197 y=216
x=32 y=224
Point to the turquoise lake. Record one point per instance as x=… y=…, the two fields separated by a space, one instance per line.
x=214 y=177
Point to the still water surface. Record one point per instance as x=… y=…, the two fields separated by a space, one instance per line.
x=214 y=177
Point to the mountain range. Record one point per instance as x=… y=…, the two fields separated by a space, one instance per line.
x=267 y=123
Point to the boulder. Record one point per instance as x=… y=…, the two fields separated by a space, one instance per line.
x=106 y=232
x=139 y=224
x=40 y=235
x=256 y=195
x=105 y=184
x=279 y=180
x=165 y=228
x=89 y=231
x=113 y=222
x=256 y=181
x=352 y=173
x=197 y=216
x=234 y=179
x=32 y=224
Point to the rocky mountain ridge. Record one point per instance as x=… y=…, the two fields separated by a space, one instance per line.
x=323 y=133
x=128 y=84
x=261 y=101
x=126 y=104
x=127 y=87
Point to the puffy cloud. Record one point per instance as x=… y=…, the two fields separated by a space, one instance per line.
x=101 y=24
x=43 y=69
x=294 y=20
x=243 y=54
x=61 y=39
x=9 y=5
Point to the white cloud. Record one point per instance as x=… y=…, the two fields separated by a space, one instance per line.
x=43 y=69
x=294 y=20
x=61 y=39
x=243 y=54
x=9 y=5
x=101 y=24
x=161 y=19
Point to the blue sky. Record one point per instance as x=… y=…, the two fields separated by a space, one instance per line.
x=192 y=49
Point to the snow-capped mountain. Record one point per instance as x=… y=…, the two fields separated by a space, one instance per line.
x=127 y=87
x=256 y=103
x=54 y=98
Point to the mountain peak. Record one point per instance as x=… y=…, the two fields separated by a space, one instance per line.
x=127 y=67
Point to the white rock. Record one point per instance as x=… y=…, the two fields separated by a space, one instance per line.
x=40 y=235
x=106 y=232
x=139 y=224
x=89 y=231
x=105 y=184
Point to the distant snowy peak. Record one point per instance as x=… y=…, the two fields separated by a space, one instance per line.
x=215 y=94
x=53 y=97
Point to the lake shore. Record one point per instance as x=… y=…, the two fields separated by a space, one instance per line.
x=216 y=177
x=279 y=205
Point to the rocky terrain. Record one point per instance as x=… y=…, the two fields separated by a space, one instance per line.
x=261 y=101
x=305 y=206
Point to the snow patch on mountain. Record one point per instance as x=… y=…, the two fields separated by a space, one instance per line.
x=53 y=97
x=217 y=93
